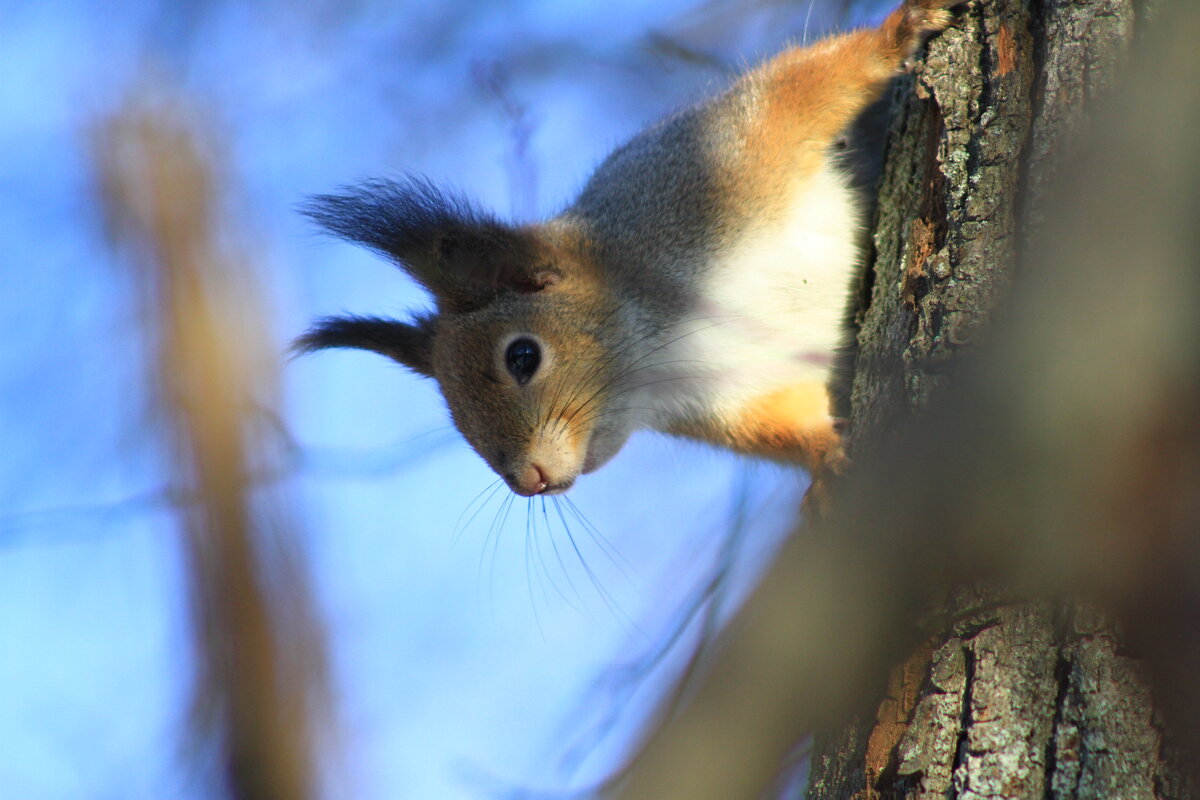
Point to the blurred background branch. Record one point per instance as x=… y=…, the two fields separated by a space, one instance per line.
x=261 y=697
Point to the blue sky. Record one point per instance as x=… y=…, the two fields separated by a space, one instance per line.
x=465 y=663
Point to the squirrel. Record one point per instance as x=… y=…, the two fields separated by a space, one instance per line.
x=697 y=286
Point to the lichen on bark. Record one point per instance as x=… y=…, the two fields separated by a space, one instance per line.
x=944 y=242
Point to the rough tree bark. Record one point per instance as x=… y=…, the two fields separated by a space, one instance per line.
x=1006 y=701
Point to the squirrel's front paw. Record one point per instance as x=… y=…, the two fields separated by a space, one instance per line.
x=923 y=17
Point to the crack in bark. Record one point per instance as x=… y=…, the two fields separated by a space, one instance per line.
x=1062 y=674
x=960 y=779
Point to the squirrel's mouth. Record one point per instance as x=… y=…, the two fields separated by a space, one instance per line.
x=560 y=487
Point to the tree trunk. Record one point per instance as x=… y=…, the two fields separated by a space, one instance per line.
x=1059 y=460
x=1007 y=701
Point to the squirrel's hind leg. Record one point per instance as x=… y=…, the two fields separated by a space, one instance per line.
x=791 y=424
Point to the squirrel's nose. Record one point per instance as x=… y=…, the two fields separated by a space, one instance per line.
x=532 y=480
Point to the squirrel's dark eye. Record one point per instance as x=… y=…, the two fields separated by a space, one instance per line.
x=522 y=358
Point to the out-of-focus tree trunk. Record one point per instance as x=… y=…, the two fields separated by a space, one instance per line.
x=1034 y=700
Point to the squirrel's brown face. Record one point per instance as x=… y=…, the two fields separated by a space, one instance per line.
x=525 y=342
x=530 y=385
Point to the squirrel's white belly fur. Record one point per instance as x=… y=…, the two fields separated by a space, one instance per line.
x=770 y=310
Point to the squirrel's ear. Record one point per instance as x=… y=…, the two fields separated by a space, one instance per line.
x=411 y=344
x=459 y=253
x=510 y=262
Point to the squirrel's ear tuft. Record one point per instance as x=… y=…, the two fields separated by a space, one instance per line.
x=461 y=254
x=411 y=344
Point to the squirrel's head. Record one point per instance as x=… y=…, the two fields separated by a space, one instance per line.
x=521 y=343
